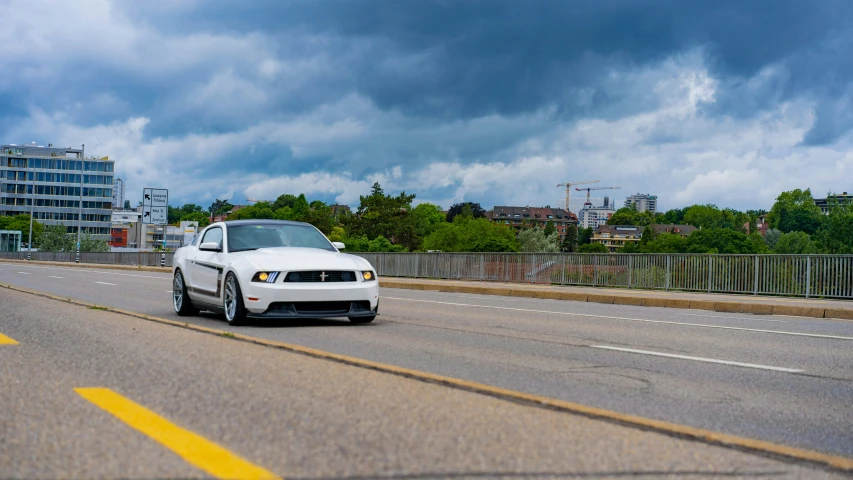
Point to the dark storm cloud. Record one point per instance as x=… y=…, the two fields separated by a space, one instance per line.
x=449 y=59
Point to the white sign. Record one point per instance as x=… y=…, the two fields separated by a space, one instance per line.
x=155 y=206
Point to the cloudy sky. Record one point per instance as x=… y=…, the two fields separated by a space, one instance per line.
x=725 y=102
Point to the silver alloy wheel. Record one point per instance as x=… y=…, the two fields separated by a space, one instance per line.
x=230 y=298
x=178 y=291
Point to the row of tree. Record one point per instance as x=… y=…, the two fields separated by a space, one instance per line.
x=51 y=238
x=796 y=226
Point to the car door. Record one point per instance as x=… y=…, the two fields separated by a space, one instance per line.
x=206 y=267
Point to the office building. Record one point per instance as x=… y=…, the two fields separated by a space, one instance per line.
x=60 y=185
x=118 y=193
x=825 y=204
x=592 y=217
x=518 y=217
x=643 y=202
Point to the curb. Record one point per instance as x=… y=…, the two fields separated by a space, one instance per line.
x=111 y=266
x=759 y=447
x=636 y=300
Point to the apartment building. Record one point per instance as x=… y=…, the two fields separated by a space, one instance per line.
x=825 y=204
x=643 y=202
x=118 y=193
x=615 y=237
x=518 y=217
x=59 y=185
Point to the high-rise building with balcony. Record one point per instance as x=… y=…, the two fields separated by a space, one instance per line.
x=59 y=185
x=118 y=193
x=643 y=202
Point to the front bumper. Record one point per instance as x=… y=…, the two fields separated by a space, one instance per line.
x=294 y=300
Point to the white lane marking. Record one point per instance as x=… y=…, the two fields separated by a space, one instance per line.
x=699 y=359
x=87 y=270
x=54 y=276
x=106 y=283
x=24 y=273
x=732 y=318
x=798 y=334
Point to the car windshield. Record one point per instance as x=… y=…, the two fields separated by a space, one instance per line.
x=252 y=237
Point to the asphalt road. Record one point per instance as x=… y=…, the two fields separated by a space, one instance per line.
x=785 y=380
x=94 y=394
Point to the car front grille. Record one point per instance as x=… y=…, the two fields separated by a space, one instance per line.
x=319 y=308
x=320 y=276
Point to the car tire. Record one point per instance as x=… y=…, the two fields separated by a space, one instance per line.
x=180 y=298
x=235 y=310
x=362 y=319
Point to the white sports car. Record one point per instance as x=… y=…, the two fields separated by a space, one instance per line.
x=272 y=269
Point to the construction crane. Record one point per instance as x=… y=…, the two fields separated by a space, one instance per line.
x=568 y=186
x=594 y=188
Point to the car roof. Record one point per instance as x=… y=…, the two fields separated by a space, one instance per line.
x=262 y=221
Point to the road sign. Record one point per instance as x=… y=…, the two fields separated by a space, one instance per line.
x=155 y=206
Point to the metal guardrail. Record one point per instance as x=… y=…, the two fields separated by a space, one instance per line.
x=829 y=276
x=148 y=259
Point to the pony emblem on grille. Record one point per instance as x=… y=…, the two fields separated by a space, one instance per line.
x=323 y=276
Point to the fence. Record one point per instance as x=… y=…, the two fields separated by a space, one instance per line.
x=829 y=276
x=150 y=259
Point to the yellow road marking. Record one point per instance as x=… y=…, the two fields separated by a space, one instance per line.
x=195 y=449
x=4 y=340
x=667 y=428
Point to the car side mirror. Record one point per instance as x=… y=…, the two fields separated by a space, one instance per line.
x=210 y=247
x=339 y=245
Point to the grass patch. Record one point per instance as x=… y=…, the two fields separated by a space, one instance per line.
x=95 y=307
x=227 y=334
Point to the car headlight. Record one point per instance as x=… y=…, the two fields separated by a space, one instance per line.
x=265 y=277
x=368 y=276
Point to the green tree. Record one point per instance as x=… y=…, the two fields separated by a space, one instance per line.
x=722 y=240
x=55 y=238
x=21 y=222
x=665 y=243
x=260 y=210
x=674 y=216
x=593 y=248
x=836 y=234
x=320 y=215
x=584 y=235
x=771 y=237
x=794 y=243
x=550 y=228
x=219 y=207
x=89 y=244
x=475 y=209
x=536 y=240
x=630 y=216
x=381 y=244
x=570 y=240
x=426 y=217
x=286 y=200
x=467 y=234
x=127 y=204
x=383 y=215
x=795 y=211
x=203 y=218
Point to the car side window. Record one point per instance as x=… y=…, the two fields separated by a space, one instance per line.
x=213 y=235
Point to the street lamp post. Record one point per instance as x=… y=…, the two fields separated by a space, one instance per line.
x=32 y=204
x=80 y=206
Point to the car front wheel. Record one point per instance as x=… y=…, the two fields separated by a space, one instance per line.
x=180 y=299
x=235 y=310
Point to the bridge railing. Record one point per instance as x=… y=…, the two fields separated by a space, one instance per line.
x=829 y=276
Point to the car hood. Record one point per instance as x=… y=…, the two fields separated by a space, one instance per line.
x=282 y=259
